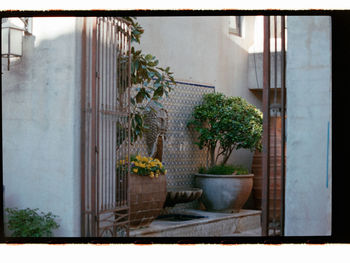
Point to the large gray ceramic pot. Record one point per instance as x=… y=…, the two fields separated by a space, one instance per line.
x=224 y=193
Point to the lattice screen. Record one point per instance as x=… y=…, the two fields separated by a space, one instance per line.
x=181 y=156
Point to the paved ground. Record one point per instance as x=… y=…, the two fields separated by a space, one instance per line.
x=244 y=223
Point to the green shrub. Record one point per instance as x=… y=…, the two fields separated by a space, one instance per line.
x=224 y=169
x=29 y=223
x=227 y=122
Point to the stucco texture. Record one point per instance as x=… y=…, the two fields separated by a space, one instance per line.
x=308 y=172
x=40 y=120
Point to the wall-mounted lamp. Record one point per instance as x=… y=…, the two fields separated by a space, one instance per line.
x=12 y=39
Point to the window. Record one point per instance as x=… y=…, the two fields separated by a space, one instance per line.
x=235 y=26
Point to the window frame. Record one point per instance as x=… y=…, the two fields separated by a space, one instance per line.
x=238 y=29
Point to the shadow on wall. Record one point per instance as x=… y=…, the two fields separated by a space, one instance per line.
x=41 y=133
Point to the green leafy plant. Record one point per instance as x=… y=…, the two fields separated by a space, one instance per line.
x=30 y=222
x=224 y=169
x=228 y=123
x=152 y=81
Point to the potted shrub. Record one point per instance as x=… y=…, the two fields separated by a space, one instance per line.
x=225 y=124
x=147 y=187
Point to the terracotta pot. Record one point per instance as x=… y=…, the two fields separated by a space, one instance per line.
x=224 y=193
x=147 y=197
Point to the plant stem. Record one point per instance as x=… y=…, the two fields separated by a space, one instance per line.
x=212 y=155
x=227 y=155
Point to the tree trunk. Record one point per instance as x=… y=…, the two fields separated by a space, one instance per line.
x=225 y=159
x=212 y=156
x=227 y=155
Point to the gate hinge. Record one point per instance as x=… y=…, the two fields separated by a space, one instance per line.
x=96 y=150
x=97 y=74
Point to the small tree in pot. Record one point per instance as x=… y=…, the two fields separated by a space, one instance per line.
x=229 y=123
x=225 y=124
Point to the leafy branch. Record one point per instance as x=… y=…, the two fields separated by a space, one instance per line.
x=152 y=82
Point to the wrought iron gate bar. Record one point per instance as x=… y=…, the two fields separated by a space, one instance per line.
x=100 y=70
x=94 y=166
x=274 y=130
x=121 y=216
x=121 y=208
x=266 y=125
x=83 y=136
x=105 y=120
x=88 y=226
x=273 y=164
x=129 y=121
x=113 y=113
x=283 y=116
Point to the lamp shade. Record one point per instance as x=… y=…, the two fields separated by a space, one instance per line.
x=11 y=40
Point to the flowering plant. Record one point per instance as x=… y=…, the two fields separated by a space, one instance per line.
x=145 y=166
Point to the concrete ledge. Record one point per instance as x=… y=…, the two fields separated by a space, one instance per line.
x=214 y=224
x=252 y=233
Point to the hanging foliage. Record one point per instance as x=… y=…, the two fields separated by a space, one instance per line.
x=152 y=83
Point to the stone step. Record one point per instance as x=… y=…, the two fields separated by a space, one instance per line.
x=246 y=222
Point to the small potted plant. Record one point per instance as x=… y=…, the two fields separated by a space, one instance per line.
x=224 y=124
x=147 y=188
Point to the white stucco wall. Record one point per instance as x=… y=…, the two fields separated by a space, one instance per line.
x=308 y=183
x=201 y=50
x=41 y=119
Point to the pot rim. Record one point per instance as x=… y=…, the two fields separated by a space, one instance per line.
x=225 y=175
x=193 y=189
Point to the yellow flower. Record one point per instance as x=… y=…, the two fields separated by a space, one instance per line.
x=144 y=159
x=152 y=175
x=138 y=157
x=139 y=164
x=157 y=175
x=135 y=170
x=165 y=172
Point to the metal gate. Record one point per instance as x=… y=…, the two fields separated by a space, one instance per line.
x=105 y=126
x=273 y=161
